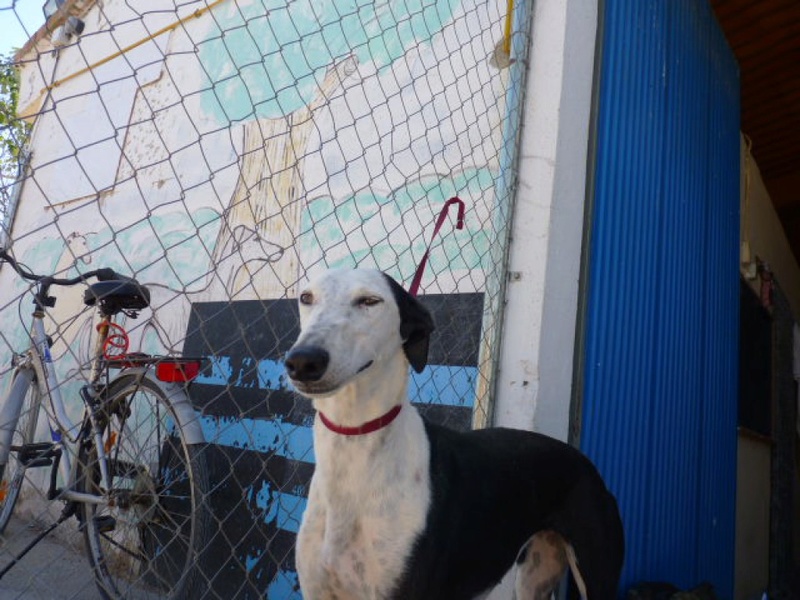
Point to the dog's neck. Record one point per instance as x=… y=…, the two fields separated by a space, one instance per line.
x=365 y=398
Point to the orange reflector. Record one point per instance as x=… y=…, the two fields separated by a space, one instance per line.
x=172 y=372
x=3 y=491
x=110 y=442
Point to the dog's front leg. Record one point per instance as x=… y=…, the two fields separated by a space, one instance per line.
x=315 y=583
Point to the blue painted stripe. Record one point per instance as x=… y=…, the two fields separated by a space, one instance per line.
x=438 y=384
x=284 y=587
x=444 y=385
x=282 y=509
x=250 y=561
x=291 y=441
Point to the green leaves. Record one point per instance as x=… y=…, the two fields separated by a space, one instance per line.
x=13 y=131
x=13 y=136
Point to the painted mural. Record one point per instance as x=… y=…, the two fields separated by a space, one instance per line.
x=250 y=148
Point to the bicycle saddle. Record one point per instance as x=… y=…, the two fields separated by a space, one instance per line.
x=117 y=295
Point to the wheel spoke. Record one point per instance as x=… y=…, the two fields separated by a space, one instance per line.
x=132 y=553
x=158 y=484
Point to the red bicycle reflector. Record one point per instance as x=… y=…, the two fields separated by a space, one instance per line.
x=177 y=372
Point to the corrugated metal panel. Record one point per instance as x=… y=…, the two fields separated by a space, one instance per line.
x=659 y=367
x=720 y=384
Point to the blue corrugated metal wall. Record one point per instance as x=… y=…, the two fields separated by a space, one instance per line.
x=659 y=376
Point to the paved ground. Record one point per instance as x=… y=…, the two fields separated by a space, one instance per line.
x=56 y=569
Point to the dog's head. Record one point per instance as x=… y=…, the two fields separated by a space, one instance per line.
x=352 y=321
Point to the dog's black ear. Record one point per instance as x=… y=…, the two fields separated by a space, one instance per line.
x=416 y=325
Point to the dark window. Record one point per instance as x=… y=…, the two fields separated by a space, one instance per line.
x=755 y=363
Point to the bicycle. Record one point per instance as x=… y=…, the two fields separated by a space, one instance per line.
x=133 y=468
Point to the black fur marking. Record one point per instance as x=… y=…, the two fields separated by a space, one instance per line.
x=492 y=490
x=416 y=325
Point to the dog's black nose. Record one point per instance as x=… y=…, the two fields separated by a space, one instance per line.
x=307 y=363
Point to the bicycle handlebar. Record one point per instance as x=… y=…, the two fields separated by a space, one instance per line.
x=104 y=274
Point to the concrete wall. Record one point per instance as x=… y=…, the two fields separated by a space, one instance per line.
x=536 y=362
x=752 y=517
x=762 y=229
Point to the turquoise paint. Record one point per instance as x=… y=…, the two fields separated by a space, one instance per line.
x=251 y=561
x=373 y=226
x=221 y=371
x=263 y=495
x=178 y=236
x=273 y=54
x=285 y=511
x=272 y=375
x=282 y=509
x=42 y=258
x=286 y=439
x=285 y=586
x=447 y=385
x=166 y=248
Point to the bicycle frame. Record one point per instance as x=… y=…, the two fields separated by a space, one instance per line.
x=117 y=469
x=37 y=364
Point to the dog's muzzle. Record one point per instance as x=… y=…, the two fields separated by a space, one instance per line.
x=306 y=363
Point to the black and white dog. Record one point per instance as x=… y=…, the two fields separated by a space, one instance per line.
x=400 y=508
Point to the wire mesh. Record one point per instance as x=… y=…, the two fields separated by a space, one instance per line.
x=224 y=152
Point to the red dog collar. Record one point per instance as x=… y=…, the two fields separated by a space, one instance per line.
x=364 y=428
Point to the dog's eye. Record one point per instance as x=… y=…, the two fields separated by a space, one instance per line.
x=368 y=301
x=306 y=298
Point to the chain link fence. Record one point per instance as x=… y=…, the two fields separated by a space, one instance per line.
x=224 y=152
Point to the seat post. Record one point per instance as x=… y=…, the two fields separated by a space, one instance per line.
x=103 y=327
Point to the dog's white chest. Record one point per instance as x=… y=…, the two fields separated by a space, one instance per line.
x=356 y=561
x=364 y=513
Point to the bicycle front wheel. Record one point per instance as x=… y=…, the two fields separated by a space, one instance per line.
x=13 y=475
x=148 y=541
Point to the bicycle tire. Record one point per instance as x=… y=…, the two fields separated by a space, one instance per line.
x=13 y=476
x=151 y=542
